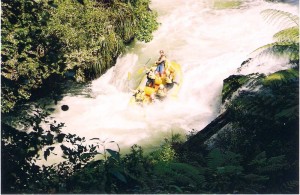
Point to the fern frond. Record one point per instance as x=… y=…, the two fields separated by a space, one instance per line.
x=290 y=186
x=180 y=174
x=259 y=160
x=285 y=49
x=256 y=178
x=215 y=159
x=288 y=35
x=284 y=19
x=273 y=164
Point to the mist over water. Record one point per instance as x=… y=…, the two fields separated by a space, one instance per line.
x=209 y=44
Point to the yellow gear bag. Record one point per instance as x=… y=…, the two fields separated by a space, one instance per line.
x=158 y=81
x=149 y=90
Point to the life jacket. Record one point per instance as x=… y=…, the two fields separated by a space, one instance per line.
x=163 y=62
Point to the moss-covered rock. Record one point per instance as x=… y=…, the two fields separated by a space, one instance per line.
x=231 y=84
x=281 y=77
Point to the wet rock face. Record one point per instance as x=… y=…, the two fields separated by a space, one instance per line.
x=237 y=84
x=231 y=84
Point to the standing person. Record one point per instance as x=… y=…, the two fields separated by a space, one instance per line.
x=161 y=63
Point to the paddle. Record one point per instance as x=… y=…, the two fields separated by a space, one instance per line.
x=140 y=71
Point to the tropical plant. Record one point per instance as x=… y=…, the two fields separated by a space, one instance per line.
x=264 y=128
x=28 y=57
x=287 y=40
x=43 y=40
x=21 y=150
x=224 y=171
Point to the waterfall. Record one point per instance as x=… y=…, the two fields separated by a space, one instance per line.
x=209 y=44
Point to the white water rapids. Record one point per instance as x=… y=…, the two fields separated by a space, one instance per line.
x=209 y=44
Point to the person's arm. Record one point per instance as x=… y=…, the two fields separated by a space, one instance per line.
x=161 y=60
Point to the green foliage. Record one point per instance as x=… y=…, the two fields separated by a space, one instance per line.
x=282 y=106
x=146 y=20
x=263 y=128
x=281 y=77
x=165 y=154
x=178 y=178
x=287 y=40
x=25 y=51
x=162 y=171
x=136 y=163
x=224 y=171
x=100 y=176
x=288 y=35
x=20 y=150
x=264 y=165
x=226 y=4
x=290 y=186
x=45 y=38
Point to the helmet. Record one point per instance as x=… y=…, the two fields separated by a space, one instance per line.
x=161 y=86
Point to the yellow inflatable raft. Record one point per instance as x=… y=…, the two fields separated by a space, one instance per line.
x=175 y=70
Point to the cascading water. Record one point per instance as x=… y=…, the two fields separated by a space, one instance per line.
x=209 y=44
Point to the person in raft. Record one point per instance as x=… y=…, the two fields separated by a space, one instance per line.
x=150 y=77
x=161 y=63
x=169 y=80
x=139 y=95
x=161 y=92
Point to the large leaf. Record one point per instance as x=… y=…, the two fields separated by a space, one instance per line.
x=285 y=49
x=118 y=175
x=283 y=18
x=114 y=154
x=287 y=40
x=288 y=35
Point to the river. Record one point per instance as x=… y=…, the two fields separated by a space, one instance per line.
x=210 y=44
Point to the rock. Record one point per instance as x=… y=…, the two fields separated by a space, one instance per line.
x=65 y=107
x=231 y=84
